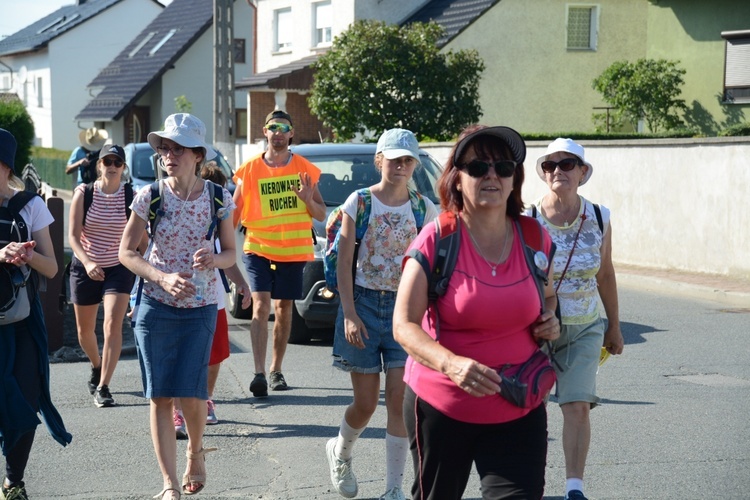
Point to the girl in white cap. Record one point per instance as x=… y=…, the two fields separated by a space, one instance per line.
x=363 y=344
x=583 y=273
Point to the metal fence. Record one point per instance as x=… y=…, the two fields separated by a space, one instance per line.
x=52 y=171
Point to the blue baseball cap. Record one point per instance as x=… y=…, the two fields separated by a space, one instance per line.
x=398 y=142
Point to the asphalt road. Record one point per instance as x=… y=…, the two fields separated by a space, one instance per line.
x=672 y=425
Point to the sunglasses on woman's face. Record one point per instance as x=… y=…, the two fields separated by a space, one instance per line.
x=108 y=162
x=479 y=168
x=279 y=127
x=566 y=165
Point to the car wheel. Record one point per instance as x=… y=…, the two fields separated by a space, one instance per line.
x=234 y=305
x=300 y=331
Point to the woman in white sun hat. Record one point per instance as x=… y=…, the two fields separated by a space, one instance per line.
x=177 y=314
x=583 y=273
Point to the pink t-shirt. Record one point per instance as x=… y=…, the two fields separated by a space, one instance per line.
x=483 y=317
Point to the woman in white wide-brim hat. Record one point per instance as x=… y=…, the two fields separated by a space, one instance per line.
x=583 y=268
x=177 y=314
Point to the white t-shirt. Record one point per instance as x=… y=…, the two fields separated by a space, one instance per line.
x=36 y=214
x=389 y=233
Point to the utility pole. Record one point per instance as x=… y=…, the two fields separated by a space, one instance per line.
x=224 y=115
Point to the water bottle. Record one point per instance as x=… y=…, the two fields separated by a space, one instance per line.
x=200 y=282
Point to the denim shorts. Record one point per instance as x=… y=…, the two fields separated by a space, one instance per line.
x=577 y=351
x=282 y=279
x=86 y=292
x=381 y=352
x=174 y=345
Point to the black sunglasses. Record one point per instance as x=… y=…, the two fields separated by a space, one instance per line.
x=479 y=168
x=566 y=165
x=108 y=162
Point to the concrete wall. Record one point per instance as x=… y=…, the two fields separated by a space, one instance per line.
x=676 y=204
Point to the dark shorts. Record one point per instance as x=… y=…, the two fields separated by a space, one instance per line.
x=86 y=292
x=282 y=279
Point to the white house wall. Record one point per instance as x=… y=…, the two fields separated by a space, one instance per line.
x=345 y=12
x=32 y=67
x=192 y=76
x=77 y=56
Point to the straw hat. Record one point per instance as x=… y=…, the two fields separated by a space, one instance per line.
x=93 y=138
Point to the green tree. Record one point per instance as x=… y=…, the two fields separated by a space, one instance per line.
x=182 y=105
x=648 y=89
x=15 y=119
x=378 y=76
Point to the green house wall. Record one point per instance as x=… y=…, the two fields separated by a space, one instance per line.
x=533 y=83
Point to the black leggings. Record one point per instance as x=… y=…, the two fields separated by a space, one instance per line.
x=26 y=372
x=510 y=457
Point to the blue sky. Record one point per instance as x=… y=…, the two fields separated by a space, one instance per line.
x=17 y=14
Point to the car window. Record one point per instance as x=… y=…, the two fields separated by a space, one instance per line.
x=143 y=167
x=342 y=175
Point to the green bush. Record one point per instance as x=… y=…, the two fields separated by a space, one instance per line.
x=735 y=130
x=15 y=119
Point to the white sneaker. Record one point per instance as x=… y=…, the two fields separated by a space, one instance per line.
x=394 y=493
x=342 y=477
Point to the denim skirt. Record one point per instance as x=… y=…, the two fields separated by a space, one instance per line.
x=174 y=345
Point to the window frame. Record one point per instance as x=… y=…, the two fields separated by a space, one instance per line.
x=594 y=11
x=736 y=84
x=239 y=50
x=319 y=34
x=282 y=45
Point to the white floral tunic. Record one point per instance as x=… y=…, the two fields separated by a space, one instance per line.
x=578 y=293
x=180 y=233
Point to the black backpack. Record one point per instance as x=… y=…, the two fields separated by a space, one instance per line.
x=15 y=280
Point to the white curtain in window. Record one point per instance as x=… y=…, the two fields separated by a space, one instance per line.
x=284 y=28
x=323 y=15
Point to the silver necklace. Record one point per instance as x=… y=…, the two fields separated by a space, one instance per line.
x=479 y=250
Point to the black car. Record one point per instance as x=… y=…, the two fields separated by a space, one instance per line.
x=344 y=169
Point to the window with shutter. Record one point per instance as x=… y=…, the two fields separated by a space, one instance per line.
x=323 y=18
x=283 y=22
x=582 y=27
x=737 y=67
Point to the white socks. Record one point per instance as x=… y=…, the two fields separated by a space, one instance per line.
x=573 y=483
x=396 y=449
x=347 y=437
